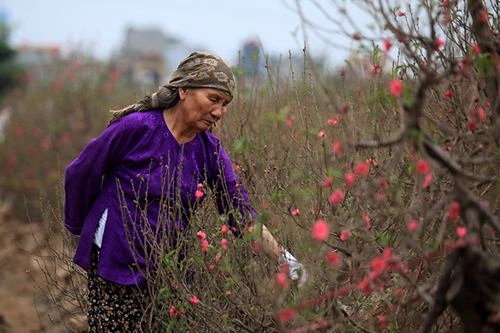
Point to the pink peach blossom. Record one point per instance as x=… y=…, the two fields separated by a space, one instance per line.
x=320 y=230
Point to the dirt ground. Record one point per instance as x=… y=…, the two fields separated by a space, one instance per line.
x=24 y=305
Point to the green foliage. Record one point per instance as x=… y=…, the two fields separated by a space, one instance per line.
x=10 y=72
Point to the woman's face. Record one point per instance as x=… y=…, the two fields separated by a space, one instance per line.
x=202 y=107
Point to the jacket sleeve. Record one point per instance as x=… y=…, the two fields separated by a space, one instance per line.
x=231 y=195
x=84 y=175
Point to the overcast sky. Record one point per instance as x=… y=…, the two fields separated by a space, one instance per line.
x=218 y=25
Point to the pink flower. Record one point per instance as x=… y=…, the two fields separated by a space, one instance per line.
x=382 y=322
x=427 y=180
x=172 y=312
x=320 y=230
x=287 y=315
x=372 y=161
x=475 y=49
x=199 y=191
x=333 y=259
x=344 y=108
x=337 y=148
x=194 y=300
x=423 y=167
x=349 y=179
x=295 y=212
x=365 y=285
x=396 y=88
x=327 y=182
x=224 y=243
x=454 y=211
x=472 y=124
x=439 y=43
x=412 y=226
x=224 y=229
x=376 y=69
x=345 y=235
x=446 y=17
x=483 y=15
x=336 y=196
x=366 y=219
x=201 y=235
x=381 y=263
x=481 y=113
x=387 y=45
x=256 y=247
x=383 y=185
x=448 y=93
x=401 y=13
x=332 y=121
x=321 y=134
x=362 y=169
x=204 y=245
x=282 y=280
x=461 y=231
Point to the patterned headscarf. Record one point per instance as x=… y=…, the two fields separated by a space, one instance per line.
x=199 y=69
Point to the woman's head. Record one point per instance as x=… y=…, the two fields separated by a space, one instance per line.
x=203 y=70
x=199 y=69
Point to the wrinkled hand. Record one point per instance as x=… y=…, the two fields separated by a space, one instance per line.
x=296 y=270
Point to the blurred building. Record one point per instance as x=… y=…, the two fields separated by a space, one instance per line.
x=41 y=61
x=251 y=61
x=34 y=55
x=148 y=55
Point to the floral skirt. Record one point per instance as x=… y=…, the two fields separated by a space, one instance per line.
x=112 y=307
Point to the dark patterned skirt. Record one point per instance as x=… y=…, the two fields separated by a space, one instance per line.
x=112 y=307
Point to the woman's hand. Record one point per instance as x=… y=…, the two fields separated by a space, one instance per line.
x=274 y=250
x=296 y=270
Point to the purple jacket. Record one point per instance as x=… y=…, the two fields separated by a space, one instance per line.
x=137 y=170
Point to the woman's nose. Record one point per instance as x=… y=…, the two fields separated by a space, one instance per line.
x=218 y=112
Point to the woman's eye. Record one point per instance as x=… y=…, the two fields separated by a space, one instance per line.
x=218 y=99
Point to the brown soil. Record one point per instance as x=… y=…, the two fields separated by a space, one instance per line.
x=24 y=305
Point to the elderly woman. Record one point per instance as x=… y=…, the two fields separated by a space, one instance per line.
x=146 y=170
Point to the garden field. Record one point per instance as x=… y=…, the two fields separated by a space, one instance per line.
x=382 y=176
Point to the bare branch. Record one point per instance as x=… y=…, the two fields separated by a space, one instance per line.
x=440 y=296
x=448 y=162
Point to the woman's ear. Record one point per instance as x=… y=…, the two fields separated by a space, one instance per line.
x=183 y=92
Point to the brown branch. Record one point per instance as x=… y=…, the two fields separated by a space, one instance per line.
x=440 y=296
x=448 y=162
x=490 y=45
x=471 y=199
x=480 y=160
x=377 y=144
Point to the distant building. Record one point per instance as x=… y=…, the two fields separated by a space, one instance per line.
x=251 y=63
x=32 y=55
x=255 y=66
x=40 y=60
x=148 y=56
